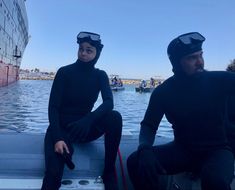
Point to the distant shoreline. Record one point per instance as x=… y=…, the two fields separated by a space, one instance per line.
x=125 y=81
x=38 y=75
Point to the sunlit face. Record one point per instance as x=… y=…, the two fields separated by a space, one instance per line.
x=193 y=63
x=86 y=52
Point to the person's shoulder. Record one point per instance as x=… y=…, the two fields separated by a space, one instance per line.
x=218 y=74
x=65 y=70
x=68 y=67
x=101 y=72
x=166 y=83
x=215 y=73
x=164 y=86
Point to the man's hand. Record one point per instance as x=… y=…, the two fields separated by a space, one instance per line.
x=60 y=146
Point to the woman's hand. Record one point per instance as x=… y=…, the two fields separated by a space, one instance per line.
x=60 y=146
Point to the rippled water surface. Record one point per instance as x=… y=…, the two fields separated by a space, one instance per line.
x=23 y=107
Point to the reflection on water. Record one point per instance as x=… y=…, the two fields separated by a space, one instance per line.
x=23 y=107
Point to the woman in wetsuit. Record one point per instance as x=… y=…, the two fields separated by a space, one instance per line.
x=71 y=120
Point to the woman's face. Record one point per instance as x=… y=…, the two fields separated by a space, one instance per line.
x=86 y=52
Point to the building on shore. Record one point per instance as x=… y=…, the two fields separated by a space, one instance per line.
x=36 y=74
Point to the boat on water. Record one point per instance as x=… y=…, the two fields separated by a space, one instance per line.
x=14 y=38
x=144 y=86
x=144 y=89
x=22 y=164
x=116 y=83
x=117 y=88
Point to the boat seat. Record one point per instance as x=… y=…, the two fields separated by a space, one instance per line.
x=23 y=154
x=22 y=162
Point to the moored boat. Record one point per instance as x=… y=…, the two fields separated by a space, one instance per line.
x=144 y=89
x=116 y=83
x=14 y=38
x=144 y=86
x=117 y=88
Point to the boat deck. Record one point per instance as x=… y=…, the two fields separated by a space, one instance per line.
x=22 y=164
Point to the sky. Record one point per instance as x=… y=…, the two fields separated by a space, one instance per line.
x=135 y=33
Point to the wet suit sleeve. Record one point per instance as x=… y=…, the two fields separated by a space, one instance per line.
x=107 y=97
x=152 y=119
x=229 y=83
x=54 y=105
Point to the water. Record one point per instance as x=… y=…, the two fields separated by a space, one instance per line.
x=24 y=107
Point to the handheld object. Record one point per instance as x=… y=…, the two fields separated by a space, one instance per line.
x=68 y=160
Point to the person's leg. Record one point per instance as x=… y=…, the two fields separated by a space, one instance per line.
x=54 y=164
x=111 y=126
x=132 y=166
x=172 y=157
x=217 y=170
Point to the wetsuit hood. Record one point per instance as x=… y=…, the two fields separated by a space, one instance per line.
x=97 y=45
x=179 y=48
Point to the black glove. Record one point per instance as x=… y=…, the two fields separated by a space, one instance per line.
x=149 y=167
x=79 y=130
x=68 y=160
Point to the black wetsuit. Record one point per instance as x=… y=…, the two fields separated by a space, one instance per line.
x=196 y=108
x=75 y=90
x=231 y=122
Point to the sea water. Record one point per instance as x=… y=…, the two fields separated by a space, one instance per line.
x=24 y=107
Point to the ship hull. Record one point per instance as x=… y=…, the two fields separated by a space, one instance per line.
x=13 y=39
x=8 y=74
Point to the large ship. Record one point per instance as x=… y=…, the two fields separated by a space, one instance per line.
x=13 y=39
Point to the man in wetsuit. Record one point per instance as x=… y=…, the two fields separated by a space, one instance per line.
x=194 y=102
x=71 y=120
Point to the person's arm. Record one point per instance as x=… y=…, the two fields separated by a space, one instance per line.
x=148 y=164
x=229 y=83
x=152 y=119
x=231 y=109
x=54 y=106
x=107 y=97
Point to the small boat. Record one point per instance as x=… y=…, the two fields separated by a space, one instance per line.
x=117 y=88
x=144 y=89
x=22 y=164
x=144 y=86
x=116 y=83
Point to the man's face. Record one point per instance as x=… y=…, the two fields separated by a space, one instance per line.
x=86 y=52
x=193 y=63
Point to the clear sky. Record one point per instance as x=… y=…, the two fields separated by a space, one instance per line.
x=135 y=33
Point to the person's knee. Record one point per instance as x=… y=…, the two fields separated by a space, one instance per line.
x=132 y=162
x=115 y=121
x=116 y=116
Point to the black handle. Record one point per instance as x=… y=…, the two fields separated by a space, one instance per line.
x=68 y=160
